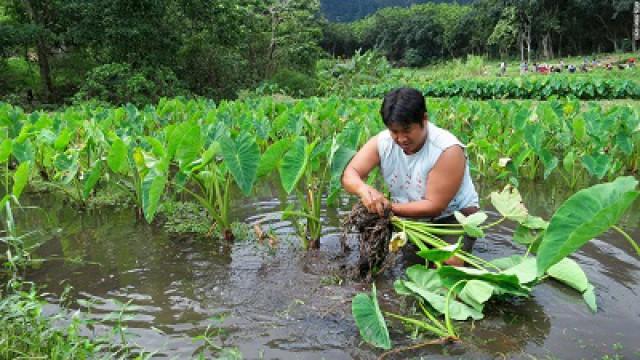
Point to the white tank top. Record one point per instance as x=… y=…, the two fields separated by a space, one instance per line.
x=406 y=175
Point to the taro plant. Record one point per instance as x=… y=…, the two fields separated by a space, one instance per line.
x=212 y=174
x=461 y=293
x=310 y=169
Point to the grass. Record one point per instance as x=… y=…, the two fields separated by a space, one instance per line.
x=476 y=67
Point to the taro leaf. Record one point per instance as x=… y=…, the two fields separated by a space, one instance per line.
x=549 y=161
x=270 y=160
x=589 y=297
x=504 y=283
x=525 y=270
x=370 y=321
x=242 y=157
x=401 y=289
x=441 y=254
x=339 y=161
x=92 y=179
x=188 y=141
x=67 y=166
x=507 y=262
x=525 y=235
x=535 y=222
x=509 y=204
x=62 y=140
x=5 y=150
x=534 y=134
x=152 y=188
x=570 y=273
x=457 y=310
x=118 y=159
x=475 y=293
x=623 y=141
x=20 y=178
x=585 y=215
x=426 y=278
x=294 y=164
x=569 y=161
x=23 y=151
x=471 y=223
x=597 y=165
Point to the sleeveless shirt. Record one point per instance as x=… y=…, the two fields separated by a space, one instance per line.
x=406 y=175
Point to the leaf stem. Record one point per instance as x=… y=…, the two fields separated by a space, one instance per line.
x=628 y=238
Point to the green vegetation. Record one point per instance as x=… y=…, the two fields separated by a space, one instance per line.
x=202 y=149
x=462 y=293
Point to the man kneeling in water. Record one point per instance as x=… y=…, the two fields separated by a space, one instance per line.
x=425 y=167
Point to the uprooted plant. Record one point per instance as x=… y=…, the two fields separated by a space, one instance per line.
x=460 y=293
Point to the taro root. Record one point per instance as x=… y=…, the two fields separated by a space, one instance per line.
x=374 y=236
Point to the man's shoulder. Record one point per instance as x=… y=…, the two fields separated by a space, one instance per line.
x=442 y=138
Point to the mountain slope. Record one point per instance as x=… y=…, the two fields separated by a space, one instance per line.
x=343 y=11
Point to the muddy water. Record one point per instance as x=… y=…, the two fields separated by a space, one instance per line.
x=290 y=304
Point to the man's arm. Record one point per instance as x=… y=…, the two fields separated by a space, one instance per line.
x=442 y=185
x=357 y=171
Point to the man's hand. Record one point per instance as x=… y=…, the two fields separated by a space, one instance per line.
x=373 y=199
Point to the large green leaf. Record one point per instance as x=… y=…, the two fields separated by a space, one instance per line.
x=241 y=158
x=370 y=321
x=271 y=158
x=508 y=202
x=20 y=178
x=597 y=164
x=339 y=161
x=62 y=140
x=585 y=215
x=457 y=309
x=524 y=270
x=23 y=151
x=507 y=262
x=471 y=224
x=570 y=273
x=589 y=297
x=5 y=150
x=294 y=164
x=441 y=254
x=152 y=189
x=92 y=179
x=185 y=143
x=424 y=277
x=475 y=293
x=504 y=283
x=118 y=157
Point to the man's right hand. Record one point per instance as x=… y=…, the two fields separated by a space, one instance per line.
x=373 y=199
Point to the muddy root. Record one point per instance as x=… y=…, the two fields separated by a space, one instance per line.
x=374 y=236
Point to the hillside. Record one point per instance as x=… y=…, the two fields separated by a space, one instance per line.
x=344 y=11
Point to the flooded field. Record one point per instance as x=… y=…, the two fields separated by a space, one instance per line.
x=285 y=303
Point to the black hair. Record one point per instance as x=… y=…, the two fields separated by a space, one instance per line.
x=403 y=106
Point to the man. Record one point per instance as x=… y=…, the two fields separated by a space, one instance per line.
x=424 y=166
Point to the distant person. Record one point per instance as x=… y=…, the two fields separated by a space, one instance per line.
x=609 y=66
x=524 y=68
x=503 y=68
x=571 y=68
x=631 y=62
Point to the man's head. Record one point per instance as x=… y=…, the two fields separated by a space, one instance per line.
x=404 y=113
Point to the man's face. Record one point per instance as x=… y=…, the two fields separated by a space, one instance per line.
x=409 y=138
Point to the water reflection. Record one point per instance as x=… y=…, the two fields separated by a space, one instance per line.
x=289 y=303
